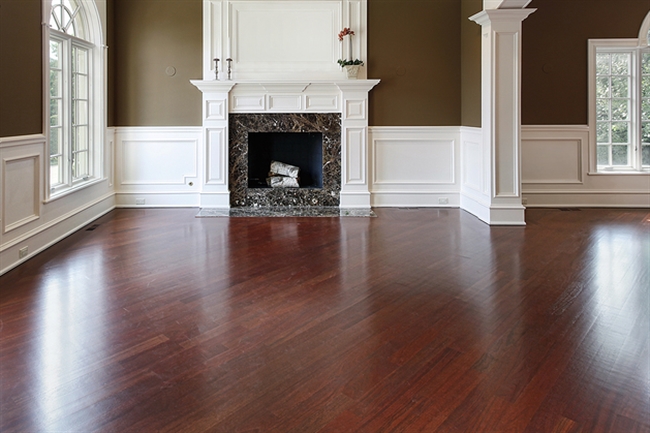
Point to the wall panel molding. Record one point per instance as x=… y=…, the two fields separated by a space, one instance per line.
x=552 y=160
x=164 y=166
x=22 y=181
x=414 y=166
x=555 y=172
x=21 y=177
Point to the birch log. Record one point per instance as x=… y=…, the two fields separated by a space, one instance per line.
x=282 y=182
x=282 y=169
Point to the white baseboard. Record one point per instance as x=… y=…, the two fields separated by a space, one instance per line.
x=415 y=199
x=354 y=200
x=171 y=199
x=609 y=199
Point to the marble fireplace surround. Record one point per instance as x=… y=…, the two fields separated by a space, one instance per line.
x=240 y=125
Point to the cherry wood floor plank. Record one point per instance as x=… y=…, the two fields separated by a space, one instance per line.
x=420 y=320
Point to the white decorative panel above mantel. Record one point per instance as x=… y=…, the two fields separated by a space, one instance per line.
x=286 y=39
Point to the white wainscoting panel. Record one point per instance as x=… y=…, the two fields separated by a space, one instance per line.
x=29 y=223
x=414 y=166
x=552 y=160
x=21 y=178
x=162 y=166
x=472 y=163
x=159 y=161
x=555 y=164
x=21 y=190
x=413 y=162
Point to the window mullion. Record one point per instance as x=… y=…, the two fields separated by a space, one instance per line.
x=642 y=55
x=635 y=110
x=68 y=113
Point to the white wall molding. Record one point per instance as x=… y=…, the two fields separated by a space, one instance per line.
x=21 y=140
x=414 y=166
x=555 y=172
x=51 y=232
x=159 y=163
x=22 y=181
x=21 y=173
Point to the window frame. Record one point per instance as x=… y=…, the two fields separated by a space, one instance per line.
x=93 y=43
x=638 y=47
x=633 y=47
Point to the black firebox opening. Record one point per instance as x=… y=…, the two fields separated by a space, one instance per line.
x=302 y=149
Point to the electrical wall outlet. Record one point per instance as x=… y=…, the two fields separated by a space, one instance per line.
x=524 y=201
x=23 y=252
x=443 y=200
x=139 y=201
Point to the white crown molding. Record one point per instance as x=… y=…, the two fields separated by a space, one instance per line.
x=213 y=86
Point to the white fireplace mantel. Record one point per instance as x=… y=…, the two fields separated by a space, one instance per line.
x=347 y=97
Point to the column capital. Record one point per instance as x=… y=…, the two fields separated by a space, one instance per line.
x=501 y=17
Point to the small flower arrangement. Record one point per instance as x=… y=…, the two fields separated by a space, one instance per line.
x=343 y=62
x=346 y=31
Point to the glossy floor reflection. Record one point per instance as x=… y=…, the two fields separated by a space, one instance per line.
x=418 y=320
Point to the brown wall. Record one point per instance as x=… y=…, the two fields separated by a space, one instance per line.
x=149 y=37
x=470 y=39
x=21 y=69
x=425 y=52
x=110 y=42
x=554 y=66
x=414 y=48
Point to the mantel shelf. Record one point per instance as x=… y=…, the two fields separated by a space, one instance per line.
x=282 y=86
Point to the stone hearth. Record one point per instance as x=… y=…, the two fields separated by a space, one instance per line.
x=240 y=125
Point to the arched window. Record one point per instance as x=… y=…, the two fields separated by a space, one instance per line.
x=75 y=94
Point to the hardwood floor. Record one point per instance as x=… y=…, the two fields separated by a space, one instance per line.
x=416 y=321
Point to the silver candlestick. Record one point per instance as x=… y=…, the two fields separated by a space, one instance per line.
x=216 y=68
x=229 y=60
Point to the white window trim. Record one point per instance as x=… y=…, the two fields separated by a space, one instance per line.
x=626 y=45
x=98 y=107
x=611 y=45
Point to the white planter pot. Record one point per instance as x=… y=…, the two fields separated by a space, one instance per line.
x=352 y=71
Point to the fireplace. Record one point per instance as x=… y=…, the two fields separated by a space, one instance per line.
x=301 y=149
x=311 y=141
x=275 y=68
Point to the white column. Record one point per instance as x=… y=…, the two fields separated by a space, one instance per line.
x=498 y=201
x=214 y=186
x=355 y=192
